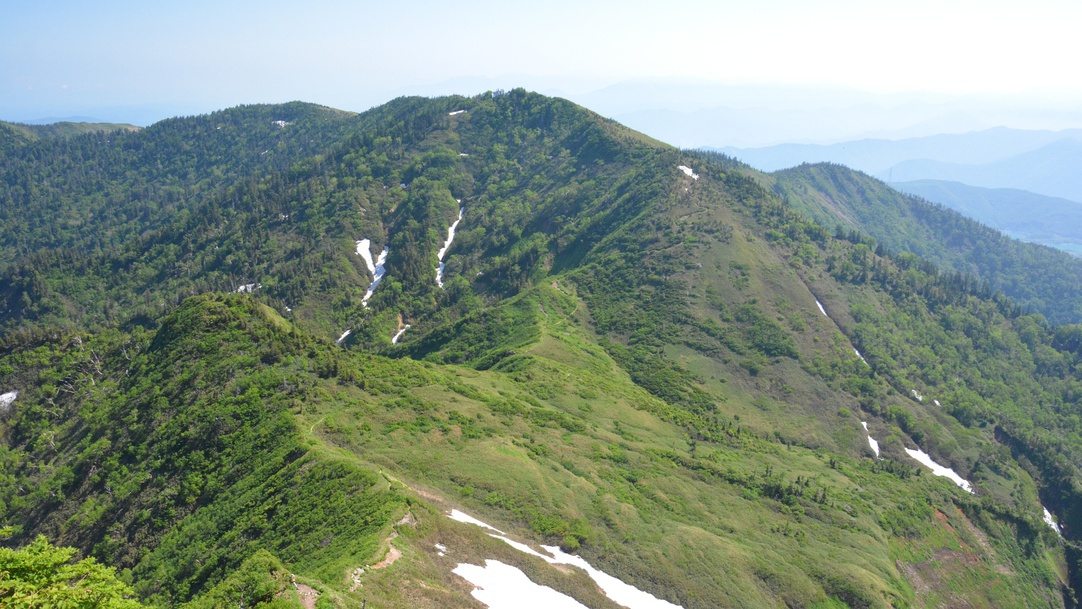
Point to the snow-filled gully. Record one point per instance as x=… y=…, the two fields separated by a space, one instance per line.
x=7 y=399
x=446 y=246
x=1050 y=521
x=377 y=267
x=824 y=312
x=926 y=460
x=398 y=335
x=505 y=587
x=871 y=440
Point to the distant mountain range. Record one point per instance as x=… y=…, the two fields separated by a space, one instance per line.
x=1019 y=213
x=1024 y=183
x=1054 y=170
x=878 y=156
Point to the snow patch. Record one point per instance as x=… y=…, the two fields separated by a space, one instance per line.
x=687 y=170
x=343 y=337
x=920 y=398
x=248 y=288
x=446 y=246
x=6 y=399
x=620 y=592
x=871 y=440
x=398 y=335
x=937 y=403
x=1050 y=521
x=281 y=124
x=377 y=275
x=364 y=250
x=455 y=112
x=926 y=460
x=521 y=547
x=821 y=309
x=860 y=356
x=464 y=517
x=502 y=586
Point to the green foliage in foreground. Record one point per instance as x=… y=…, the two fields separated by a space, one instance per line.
x=260 y=582
x=42 y=575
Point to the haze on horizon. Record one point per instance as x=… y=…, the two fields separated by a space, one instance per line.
x=790 y=70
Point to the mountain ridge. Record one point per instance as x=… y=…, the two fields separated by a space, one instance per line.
x=626 y=360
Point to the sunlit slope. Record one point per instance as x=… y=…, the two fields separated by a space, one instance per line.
x=627 y=358
x=555 y=436
x=1037 y=277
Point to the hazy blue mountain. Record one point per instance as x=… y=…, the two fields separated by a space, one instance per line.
x=877 y=156
x=1021 y=214
x=1054 y=170
x=696 y=114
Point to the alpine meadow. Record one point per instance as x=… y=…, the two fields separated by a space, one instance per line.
x=286 y=355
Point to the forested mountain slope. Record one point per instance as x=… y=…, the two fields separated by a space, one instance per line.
x=1039 y=278
x=630 y=357
x=1025 y=215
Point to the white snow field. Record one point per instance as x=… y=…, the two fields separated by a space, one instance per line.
x=7 y=399
x=502 y=586
x=1050 y=521
x=464 y=517
x=926 y=460
x=617 y=590
x=871 y=440
x=364 y=250
x=446 y=246
x=687 y=170
x=377 y=275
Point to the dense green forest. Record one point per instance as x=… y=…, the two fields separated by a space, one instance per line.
x=657 y=359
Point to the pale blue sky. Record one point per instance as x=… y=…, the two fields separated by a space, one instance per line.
x=138 y=61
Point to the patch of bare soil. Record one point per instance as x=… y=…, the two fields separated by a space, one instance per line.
x=393 y=553
x=920 y=586
x=308 y=596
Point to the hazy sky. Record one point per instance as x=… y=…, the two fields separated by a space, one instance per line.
x=144 y=60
